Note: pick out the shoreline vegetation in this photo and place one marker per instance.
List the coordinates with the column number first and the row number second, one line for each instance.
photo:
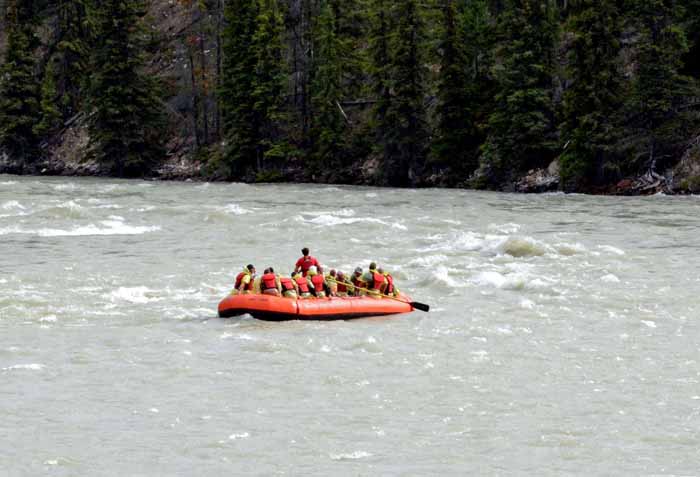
column 588, row 96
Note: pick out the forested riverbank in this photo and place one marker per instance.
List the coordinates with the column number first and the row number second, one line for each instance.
column 528, row 95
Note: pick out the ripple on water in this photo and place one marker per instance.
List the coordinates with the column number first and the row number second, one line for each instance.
column 351, row 455
column 28, row 367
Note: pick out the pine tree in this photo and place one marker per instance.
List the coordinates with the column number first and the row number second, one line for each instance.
column 380, row 68
column 238, row 69
column 72, row 55
column 328, row 124
column 50, row 102
column 268, row 84
column 592, row 102
column 19, row 87
column 399, row 84
column 351, row 23
column 521, row 127
column 126, row 127
column 460, row 89
column 659, row 88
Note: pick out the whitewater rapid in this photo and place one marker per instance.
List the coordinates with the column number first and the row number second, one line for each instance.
column 562, row 337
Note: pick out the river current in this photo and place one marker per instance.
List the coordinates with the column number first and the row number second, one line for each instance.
column 563, row 336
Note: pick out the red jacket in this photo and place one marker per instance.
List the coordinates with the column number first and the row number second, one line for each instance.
column 307, row 262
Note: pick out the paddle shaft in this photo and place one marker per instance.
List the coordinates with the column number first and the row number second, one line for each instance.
column 414, row 304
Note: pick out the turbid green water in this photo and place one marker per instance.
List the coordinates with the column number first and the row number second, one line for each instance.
column 563, row 337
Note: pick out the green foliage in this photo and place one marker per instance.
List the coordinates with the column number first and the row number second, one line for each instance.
column 398, row 43
column 127, row 119
column 591, row 120
column 462, row 87
column 19, row 88
column 659, row 88
column 328, row 124
column 72, row 55
column 253, row 84
column 50, row 102
column 238, row 79
column 522, row 133
column 269, row 81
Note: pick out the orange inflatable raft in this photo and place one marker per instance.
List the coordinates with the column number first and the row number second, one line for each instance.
column 272, row 308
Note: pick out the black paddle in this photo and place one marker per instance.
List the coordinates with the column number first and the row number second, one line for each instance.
column 415, row 304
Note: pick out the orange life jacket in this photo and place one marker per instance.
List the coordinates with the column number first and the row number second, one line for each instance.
column 269, row 281
column 239, row 279
column 287, row 284
column 389, row 284
column 303, row 284
column 317, row 282
column 378, row 281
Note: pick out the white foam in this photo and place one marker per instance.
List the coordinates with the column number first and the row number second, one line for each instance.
column 61, row 187
column 333, row 220
column 109, row 227
column 133, row 295
column 7, row 183
column 236, row 209
column 428, row 260
column 32, row 367
column 48, row 318
column 339, row 213
column 490, row 278
column 610, row 278
column 442, row 274
column 649, row 324
column 508, row 228
column 351, row 456
column 611, row 249
column 242, row 435
column 70, row 205
column 12, row 204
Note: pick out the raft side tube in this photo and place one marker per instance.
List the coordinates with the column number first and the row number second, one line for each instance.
column 271, row 308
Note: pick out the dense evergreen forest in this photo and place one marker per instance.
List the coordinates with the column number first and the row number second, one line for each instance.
column 579, row 95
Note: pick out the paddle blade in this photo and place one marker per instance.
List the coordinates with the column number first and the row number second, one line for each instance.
column 420, row 306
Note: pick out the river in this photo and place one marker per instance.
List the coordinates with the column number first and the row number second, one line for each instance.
column 562, row 338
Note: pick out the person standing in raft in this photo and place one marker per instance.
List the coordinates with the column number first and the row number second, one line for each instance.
column 317, row 283
column 306, row 262
column 244, row 281
column 290, row 289
column 270, row 283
